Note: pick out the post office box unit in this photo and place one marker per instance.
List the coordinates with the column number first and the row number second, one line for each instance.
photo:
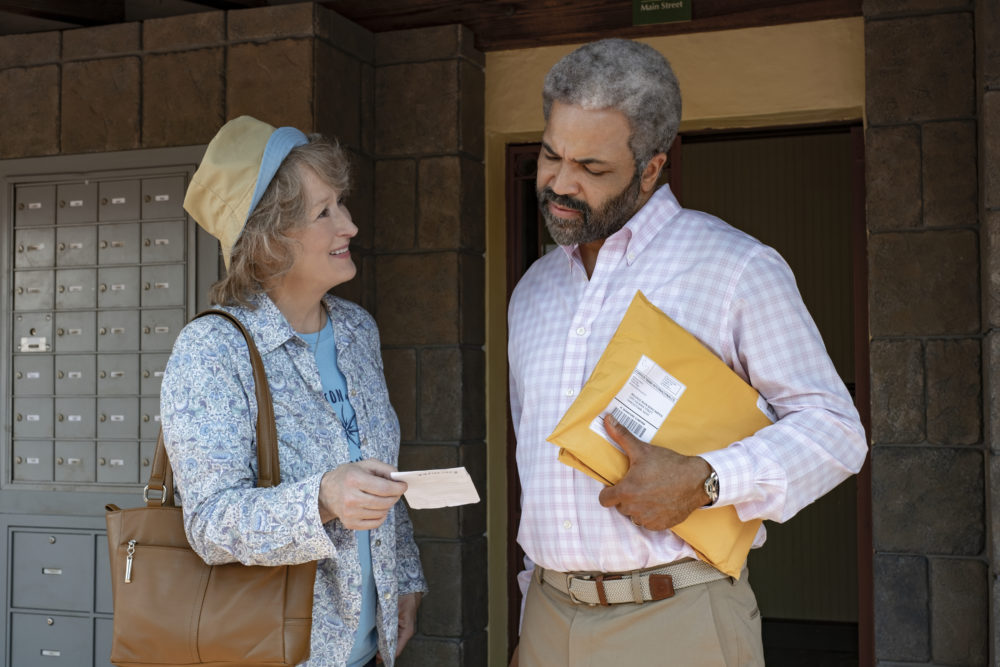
column 163, row 241
column 34, row 248
column 117, row 374
column 34, row 205
column 118, row 330
column 118, row 418
column 118, row 462
column 118, row 244
column 152, row 366
column 118, row 287
column 147, row 449
column 76, row 288
column 75, row 418
column 103, row 602
column 33, row 375
column 75, row 331
column 163, row 285
column 39, row 640
column 118, row 200
column 162, row 197
column 75, row 374
column 32, row 461
column 52, row 571
column 149, row 417
column 33, row 417
column 34, row 290
column 103, row 632
column 32, row 332
column 76, row 202
column 76, row 246
column 160, row 328
column 75, row 462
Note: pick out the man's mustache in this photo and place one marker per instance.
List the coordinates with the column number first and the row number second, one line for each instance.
column 547, row 195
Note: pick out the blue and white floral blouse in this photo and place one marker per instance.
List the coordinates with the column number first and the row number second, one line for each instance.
column 209, row 412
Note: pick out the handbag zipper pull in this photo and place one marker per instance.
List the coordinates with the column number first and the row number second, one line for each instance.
column 128, row 561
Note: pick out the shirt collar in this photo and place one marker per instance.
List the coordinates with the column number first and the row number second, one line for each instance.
column 271, row 330
column 643, row 226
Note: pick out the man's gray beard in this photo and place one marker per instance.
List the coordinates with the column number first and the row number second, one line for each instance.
column 592, row 225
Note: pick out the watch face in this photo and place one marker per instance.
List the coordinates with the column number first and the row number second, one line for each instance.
column 712, row 487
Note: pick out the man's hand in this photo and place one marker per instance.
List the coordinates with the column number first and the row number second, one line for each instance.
column 661, row 487
column 359, row 494
column 407, row 618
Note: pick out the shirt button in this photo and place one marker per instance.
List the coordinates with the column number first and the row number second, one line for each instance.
column 378, row 543
column 631, row 256
column 386, row 595
column 570, row 392
column 581, row 331
column 567, row 524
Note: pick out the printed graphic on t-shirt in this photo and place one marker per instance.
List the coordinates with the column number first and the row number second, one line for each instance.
column 338, row 399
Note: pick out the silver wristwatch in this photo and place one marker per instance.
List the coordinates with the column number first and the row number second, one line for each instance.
column 712, row 488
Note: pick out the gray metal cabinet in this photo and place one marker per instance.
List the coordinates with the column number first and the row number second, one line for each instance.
column 103, row 269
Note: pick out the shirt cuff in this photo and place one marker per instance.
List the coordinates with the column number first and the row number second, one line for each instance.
column 735, row 471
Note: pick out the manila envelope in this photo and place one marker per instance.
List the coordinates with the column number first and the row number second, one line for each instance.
column 668, row 389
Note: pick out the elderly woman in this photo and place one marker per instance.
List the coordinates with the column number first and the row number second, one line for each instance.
column 275, row 200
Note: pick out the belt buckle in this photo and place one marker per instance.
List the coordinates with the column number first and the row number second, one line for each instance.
column 569, row 588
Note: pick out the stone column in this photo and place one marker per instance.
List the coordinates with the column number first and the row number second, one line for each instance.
column 429, row 304
column 930, row 440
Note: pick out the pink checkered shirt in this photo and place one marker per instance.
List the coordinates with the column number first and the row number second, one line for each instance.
column 739, row 298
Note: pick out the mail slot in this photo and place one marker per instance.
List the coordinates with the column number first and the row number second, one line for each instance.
column 76, row 202
column 74, row 331
column 76, row 246
column 118, row 462
column 32, row 461
column 117, row 417
column 50, row 640
column 34, row 248
column 118, row 244
column 75, row 461
column 118, row 200
column 74, row 417
column 33, row 374
column 34, row 205
column 75, row 288
column 33, row 332
column 118, row 287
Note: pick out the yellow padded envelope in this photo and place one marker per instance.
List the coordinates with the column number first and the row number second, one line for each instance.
column 668, row 389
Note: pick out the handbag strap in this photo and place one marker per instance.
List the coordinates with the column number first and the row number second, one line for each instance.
column 268, row 468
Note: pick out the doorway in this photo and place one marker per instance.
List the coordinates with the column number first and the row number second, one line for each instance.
column 797, row 190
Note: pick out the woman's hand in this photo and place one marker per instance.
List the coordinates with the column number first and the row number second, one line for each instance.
column 359, row 494
column 407, row 618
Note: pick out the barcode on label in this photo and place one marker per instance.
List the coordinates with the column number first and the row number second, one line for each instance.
column 634, row 426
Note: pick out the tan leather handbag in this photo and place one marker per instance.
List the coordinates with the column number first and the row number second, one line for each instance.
column 171, row 608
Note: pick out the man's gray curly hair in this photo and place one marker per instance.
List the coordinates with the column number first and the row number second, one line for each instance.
column 628, row 76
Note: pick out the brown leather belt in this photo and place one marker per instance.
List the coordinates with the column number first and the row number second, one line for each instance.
column 657, row 583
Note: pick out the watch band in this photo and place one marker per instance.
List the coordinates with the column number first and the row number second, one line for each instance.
column 712, row 488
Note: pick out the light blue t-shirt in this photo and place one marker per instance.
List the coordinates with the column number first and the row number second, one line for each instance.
column 324, row 346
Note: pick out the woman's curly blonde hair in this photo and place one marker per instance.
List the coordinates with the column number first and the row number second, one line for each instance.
column 264, row 251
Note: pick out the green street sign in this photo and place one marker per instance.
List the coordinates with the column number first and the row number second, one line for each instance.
column 645, row 12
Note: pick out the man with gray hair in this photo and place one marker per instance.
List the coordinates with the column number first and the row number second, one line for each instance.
column 605, row 577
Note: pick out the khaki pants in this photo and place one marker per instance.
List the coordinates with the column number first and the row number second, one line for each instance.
column 713, row 624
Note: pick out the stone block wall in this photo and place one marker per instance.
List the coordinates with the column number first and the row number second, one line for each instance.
column 933, row 188
column 429, row 287
column 408, row 108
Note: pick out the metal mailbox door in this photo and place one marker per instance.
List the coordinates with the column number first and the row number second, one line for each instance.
column 34, row 248
column 76, row 288
column 75, row 332
column 52, row 571
column 118, row 244
column 117, row 418
column 118, row 462
column 33, row 417
column 152, row 372
column 32, row 460
column 117, row 330
column 119, row 200
column 76, row 246
column 163, row 241
column 104, row 603
column 162, row 197
column 149, row 419
column 75, row 374
column 76, row 202
column 118, row 287
column 33, row 332
column 33, row 290
column 74, row 418
column 49, row 640
column 75, row 462
column 117, row 374
column 33, row 375
column 34, row 205
column 160, row 328
column 163, row 285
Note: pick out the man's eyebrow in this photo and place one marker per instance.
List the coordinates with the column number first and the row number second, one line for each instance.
column 586, row 160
